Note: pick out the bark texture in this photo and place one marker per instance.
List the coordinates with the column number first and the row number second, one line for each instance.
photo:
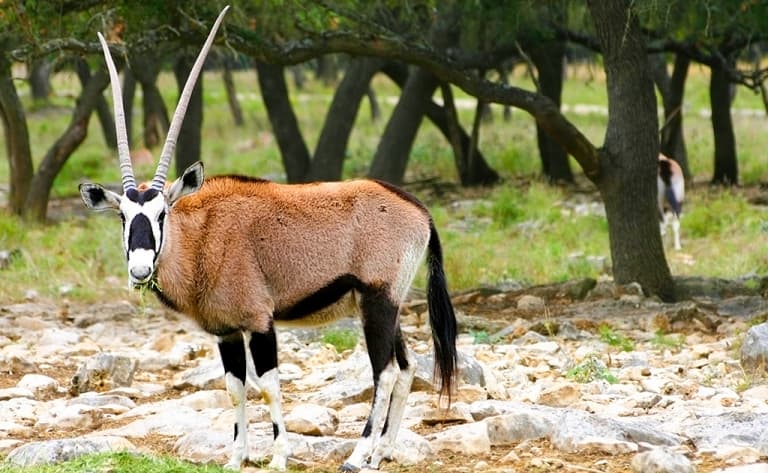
column 16, row 140
column 285, row 126
column 628, row 160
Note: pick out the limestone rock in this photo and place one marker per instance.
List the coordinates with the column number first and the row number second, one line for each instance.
column 660, row 460
column 55, row 451
column 38, row 384
column 103, row 372
column 754, row 349
column 209, row 374
column 312, row 419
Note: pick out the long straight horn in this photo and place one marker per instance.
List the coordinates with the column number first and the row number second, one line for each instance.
column 126, row 170
column 158, row 182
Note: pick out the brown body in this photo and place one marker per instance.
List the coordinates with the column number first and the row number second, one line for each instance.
column 239, row 255
column 264, row 247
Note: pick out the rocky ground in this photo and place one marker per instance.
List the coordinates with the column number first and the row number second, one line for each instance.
column 546, row 386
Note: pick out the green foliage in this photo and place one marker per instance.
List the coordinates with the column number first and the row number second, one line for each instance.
column 609, row 336
column 123, row 462
column 662, row 340
column 341, row 339
column 481, row 337
column 591, row 369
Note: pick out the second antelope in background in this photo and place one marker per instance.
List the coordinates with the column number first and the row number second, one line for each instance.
column 671, row 184
column 240, row 255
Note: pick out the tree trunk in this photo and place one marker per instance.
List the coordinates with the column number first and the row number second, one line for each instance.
column 36, row 206
column 548, row 57
column 285, row 126
column 726, row 165
column 439, row 116
column 374, row 103
column 16, row 140
column 40, row 80
column 146, row 70
column 188, row 146
column 102, row 107
column 331, row 147
column 327, row 69
column 395, row 145
column 234, row 103
column 671, row 90
column 129, row 92
column 628, row 160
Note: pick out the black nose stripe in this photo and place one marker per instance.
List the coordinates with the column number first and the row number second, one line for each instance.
column 140, row 234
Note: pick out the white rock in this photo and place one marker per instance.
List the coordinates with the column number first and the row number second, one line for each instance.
column 11, row 393
column 312, row 419
column 560, row 394
column 54, row 451
column 70, row 417
column 38, row 384
column 662, row 461
column 468, row 439
column 734, row 455
column 210, row 399
column 753, row 468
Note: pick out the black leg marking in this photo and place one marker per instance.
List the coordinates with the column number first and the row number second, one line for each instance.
column 235, row 436
column 263, row 348
column 275, row 430
column 232, row 351
column 379, row 327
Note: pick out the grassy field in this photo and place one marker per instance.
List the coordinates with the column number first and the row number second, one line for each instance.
column 485, row 232
column 521, row 231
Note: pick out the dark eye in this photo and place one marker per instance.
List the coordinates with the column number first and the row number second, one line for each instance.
column 161, row 219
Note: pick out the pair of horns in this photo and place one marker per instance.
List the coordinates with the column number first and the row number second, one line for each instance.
column 126, row 170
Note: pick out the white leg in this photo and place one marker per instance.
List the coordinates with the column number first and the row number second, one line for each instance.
column 376, row 419
column 237, row 392
column 233, row 358
column 396, row 409
column 269, row 385
column 676, row 232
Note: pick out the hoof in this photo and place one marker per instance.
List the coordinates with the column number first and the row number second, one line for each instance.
column 349, row 468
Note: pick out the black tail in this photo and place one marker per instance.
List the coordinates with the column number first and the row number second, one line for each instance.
column 441, row 317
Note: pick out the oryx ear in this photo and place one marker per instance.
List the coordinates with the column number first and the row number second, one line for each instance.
column 97, row 197
column 189, row 182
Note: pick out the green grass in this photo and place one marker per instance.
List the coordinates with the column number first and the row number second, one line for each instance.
column 591, row 369
column 662, row 341
column 341, row 339
column 522, row 230
column 122, row 462
column 614, row 339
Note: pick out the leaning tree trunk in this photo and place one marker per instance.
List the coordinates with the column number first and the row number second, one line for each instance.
column 440, row 117
column 129, row 92
column 285, row 126
column 629, row 157
column 234, row 103
column 188, row 146
column 374, row 103
column 36, row 206
column 40, row 80
column 328, row 160
column 672, row 90
column 146, row 69
column 102, row 107
column 393, row 151
column 548, row 57
column 16, row 140
column 726, row 164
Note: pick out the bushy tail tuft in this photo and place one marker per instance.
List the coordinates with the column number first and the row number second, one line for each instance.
column 441, row 317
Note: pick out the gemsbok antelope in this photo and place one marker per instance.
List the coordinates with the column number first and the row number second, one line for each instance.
column 240, row 255
column 671, row 192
